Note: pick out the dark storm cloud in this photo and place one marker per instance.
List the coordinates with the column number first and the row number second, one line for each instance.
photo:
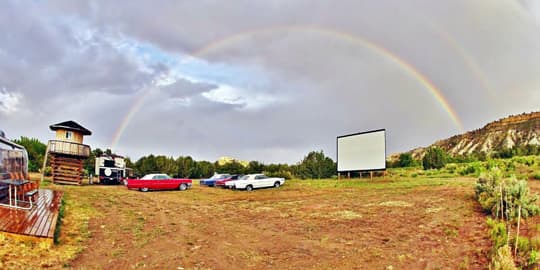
column 45, row 56
column 323, row 69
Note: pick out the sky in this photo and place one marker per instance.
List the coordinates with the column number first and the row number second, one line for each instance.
column 264, row 80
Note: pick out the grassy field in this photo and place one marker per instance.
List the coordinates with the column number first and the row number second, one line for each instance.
column 410, row 218
column 393, row 221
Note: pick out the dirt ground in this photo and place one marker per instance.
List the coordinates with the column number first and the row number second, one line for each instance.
column 298, row 226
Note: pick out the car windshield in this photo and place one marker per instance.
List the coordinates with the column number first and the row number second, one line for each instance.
column 155, row 176
column 245, row 177
column 219, row 176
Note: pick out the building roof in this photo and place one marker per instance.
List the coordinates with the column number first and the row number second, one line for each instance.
column 71, row 125
column 5, row 141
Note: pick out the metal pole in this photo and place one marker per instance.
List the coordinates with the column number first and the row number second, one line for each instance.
column 44, row 163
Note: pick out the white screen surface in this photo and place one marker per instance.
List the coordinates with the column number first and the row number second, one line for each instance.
column 362, row 152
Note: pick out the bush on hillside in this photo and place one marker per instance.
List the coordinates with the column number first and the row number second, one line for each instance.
column 406, row 160
column 435, row 158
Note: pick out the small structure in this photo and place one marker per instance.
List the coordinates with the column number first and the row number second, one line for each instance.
column 111, row 169
column 26, row 212
column 68, row 152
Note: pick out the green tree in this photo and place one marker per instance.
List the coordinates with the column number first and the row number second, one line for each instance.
column 406, row 160
column 316, row 165
column 435, row 158
column 205, row 169
column 146, row 165
column 166, row 165
column 255, row 167
column 129, row 163
column 233, row 167
column 278, row 170
column 36, row 152
column 90, row 163
column 186, row 166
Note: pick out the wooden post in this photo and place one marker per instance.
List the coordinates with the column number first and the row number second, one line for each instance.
column 371, row 175
column 349, row 175
column 44, row 164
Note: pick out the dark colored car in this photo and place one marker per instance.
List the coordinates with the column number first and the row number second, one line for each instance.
column 212, row 180
column 221, row 183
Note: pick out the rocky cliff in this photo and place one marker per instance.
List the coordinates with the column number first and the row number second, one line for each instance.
column 515, row 130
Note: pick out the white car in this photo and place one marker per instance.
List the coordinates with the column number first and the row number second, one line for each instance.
column 251, row 181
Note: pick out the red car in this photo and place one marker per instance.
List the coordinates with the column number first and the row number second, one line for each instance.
column 221, row 183
column 157, row 182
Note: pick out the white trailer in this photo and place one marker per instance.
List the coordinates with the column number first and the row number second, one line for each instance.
column 111, row 169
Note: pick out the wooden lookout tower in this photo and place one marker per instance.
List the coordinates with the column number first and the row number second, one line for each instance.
column 67, row 152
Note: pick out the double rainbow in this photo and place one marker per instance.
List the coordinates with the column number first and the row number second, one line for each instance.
column 330, row 33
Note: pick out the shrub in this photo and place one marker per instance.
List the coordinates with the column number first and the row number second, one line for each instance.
column 488, row 191
column 523, row 244
column 533, row 257
column 48, row 171
column 406, row 160
column 283, row 174
column 451, row 168
column 497, row 233
column 470, row 169
column 510, row 197
column 535, row 242
column 316, row 166
column 435, row 158
column 503, row 259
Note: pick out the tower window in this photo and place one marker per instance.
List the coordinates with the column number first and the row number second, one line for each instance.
column 69, row 134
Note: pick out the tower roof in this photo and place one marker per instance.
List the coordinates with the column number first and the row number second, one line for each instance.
column 71, row 125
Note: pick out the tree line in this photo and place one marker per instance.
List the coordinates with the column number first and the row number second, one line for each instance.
column 315, row 165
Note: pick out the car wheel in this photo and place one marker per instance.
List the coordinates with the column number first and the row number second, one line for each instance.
column 277, row 184
column 182, row 187
column 144, row 189
column 249, row 187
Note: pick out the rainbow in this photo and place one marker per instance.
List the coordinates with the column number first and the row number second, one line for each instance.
column 467, row 59
column 132, row 111
column 357, row 40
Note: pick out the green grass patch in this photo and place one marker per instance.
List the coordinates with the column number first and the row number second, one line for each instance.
column 61, row 213
column 379, row 183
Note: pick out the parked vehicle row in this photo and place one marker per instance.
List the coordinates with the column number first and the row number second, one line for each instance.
column 164, row 182
column 221, row 183
column 212, row 181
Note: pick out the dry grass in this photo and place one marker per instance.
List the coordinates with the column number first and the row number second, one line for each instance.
column 343, row 224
